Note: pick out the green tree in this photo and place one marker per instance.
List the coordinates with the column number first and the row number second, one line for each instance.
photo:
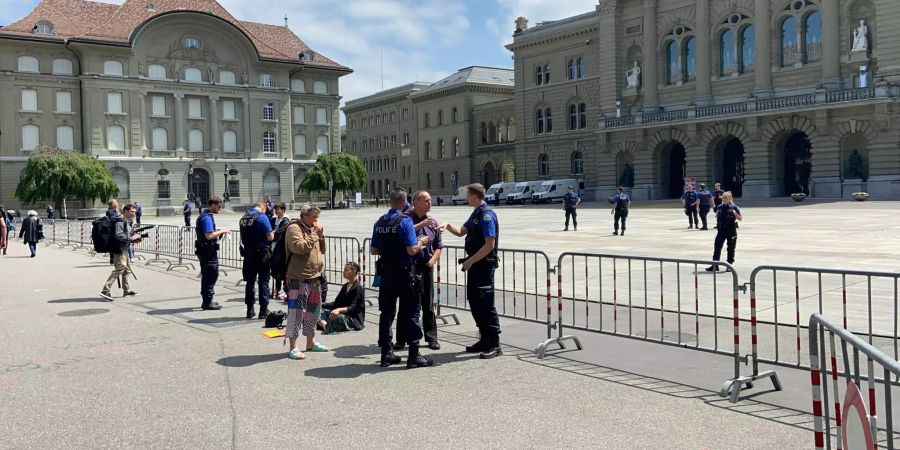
column 345, row 171
column 57, row 174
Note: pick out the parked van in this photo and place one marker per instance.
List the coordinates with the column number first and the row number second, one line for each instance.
column 522, row 192
column 553, row 190
column 460, row 197
column 498, row 191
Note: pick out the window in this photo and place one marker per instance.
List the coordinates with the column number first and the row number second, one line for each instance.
column 115, row 138
column 544, row 165
column 266, row 80
column 573, row 117
column 299, row 114
column 156, row 72
column 229, row 142
column 405, row 113
column 427, row 120
column 65, row 137
column 673, row 73
column 572, row 72
column 384, row 118
column 582, row 116
column 456, row 147
column 812, row 34
column 580, row 63
column 428, row 180
column 442, row 180
column 30, row 137
column 120, row 176
column 234, row 188
column 272, row 183
column 544, row 121
column 195, row 140
column 159, row 139
column 63, row 101
column 158, row 106
column 405, row 138
column 194, row 108
column 539, row 75
column 28, row 64
column 300, row 144
column 321, row 116
column 440, row 120
column 442, row 152
column 268, row 111
column 577, row 163
column 228, row 110
column 748, row 48
column 454, row 117
column 268, row 142
column 393, row 116
column 162, row 189
column 191, row 42
column 538, row 125
column 690, row 59
column 790, row 45
column 114, row 102
column 62, row 67
column 193, row 74
column 428, row 150
column 227, row 77
column 43, row 27
column 29, row 100
column 298, row 85
column 319, row 87
column 114, row 68
column 322, row 144
column 546, row 73
column 727, row 59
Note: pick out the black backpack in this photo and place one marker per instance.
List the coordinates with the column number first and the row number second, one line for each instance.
column 278, row 264
column 103, row 231
column 275, row 319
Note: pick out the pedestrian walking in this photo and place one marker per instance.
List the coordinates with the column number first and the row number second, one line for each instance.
column 4, row 231
column 621, row 203
column 32, row 231
column 728, row 216
column 207, row 251
column 690, row 201
column 482, row 232
column 122, row 237
column 187, row 213
column 138, row 212
column 706, row 203
column 571, row 200
column 394, row 241
column 50, row 211
column 256, row 238
column 305, row 245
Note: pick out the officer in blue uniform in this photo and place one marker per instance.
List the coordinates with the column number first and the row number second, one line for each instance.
column 621, row 203
column 482, row 233
column 207, row 251
column 187, row 213
column 571, row 200
column 270, row 207
column 728, row 215
column 717, row 200
column 705, row 204
column 394, row 241
column 690, row 201
column 256, row 236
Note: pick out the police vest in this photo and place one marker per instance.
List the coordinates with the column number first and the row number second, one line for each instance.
column 475, row 235
column 727, row 221
column 704, row 198
column 621, row 201
column 201, row 237
column 717, row 197
column 247, row 226
column 390, row 248
column 690, row 198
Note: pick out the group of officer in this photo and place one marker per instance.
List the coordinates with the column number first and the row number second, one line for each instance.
column 407, row 242
column 697, row 204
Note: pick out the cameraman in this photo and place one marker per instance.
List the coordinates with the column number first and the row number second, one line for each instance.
column 256, row 236
column 122, row 239
column 207, row 251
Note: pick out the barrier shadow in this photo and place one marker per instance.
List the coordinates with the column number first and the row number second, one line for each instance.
column 171, row 311
column 77, row 300
column 250, row 360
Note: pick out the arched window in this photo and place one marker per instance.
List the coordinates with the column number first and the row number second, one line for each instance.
column 492, row 133
column 748, row 48
column 268, row 142
column 790, row 48
column 548, row 121
column 573, row 116
column 573, row 69
column 510, row 130
column 539, row 75
column 440, row 117
column 427, row 120
column 114, row 68
column 115, row 138
column 227, row 77
column 268, row 111
column 298, row 85
column 122, row 179
column 31, row 136
column 577, row 163
column 156, row 71
column 727, row 49
column 300, row 145
column 580, row 63
column 427, row 150
column 229, row 141
column 690, row 59
column 43, row 27
column 272, row 183
column 193, row 74
column 195, row 140
column 454, row 117
column 442, row 150
column 544, row 165
column 266, row 80
column 62, row 66
column 319, row 87
column 65, row 137
column 456, row 147
column 27, row 64
column 546, row 73
column 539, row 122
column 582, row 116
column 673, row 73
column 484, row 133
column 323, row 145
column 159, row 139
column 812, row 35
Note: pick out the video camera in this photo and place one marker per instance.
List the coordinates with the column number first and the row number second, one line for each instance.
column 140, row 230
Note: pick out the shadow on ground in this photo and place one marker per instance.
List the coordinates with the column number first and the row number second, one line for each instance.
column 249, row 360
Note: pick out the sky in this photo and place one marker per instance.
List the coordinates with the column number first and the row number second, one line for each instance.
column 418, row 40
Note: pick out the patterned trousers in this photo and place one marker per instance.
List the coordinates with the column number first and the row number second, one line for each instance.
column 304, row 307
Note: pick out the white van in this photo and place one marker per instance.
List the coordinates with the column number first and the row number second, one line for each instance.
column 522, row 192
column 553, row 190
column 498, row 191
column 460, row 197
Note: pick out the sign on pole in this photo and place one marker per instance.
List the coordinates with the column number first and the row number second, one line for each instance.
column 359, row 198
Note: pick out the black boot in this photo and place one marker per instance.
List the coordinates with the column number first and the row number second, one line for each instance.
column 415, row 359
column 477, row 347
column 211, row 306
column 493, row 349
column 263, row 311
column 388, row 358
column 250, row 311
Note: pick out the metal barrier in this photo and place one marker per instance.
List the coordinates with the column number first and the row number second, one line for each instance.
column 339, row 251
column 855, row 426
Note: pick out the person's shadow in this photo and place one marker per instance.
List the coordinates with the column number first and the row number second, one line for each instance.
column 249, row 360
column 371, row 366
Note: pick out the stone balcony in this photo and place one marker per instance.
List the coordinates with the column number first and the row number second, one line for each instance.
column 750, row 107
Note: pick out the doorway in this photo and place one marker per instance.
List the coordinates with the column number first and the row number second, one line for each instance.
column 732, row 166
column 797, row 164
column 673, row 165
column 199, row 186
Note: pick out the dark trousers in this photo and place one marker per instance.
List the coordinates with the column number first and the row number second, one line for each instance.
column 693, row 217
column 480, row 293
column 619, row 215
column 398, row 285
column 574, row 214
column 703, row 212
column 137, row 219
column 187, row 220
column 722, row 238
column 426, row 302
column 209, row 274
column 256, row 271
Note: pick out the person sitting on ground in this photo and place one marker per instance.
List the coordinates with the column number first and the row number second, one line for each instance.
column 348, row 311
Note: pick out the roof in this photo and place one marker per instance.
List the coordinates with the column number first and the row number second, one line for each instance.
column 84, row 20
column 555, row 27
column 403, row 90
column 491, row 76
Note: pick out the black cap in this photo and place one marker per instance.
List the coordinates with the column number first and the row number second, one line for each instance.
column 570, row 187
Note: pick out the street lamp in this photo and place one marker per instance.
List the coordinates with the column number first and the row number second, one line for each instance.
column 225, row 195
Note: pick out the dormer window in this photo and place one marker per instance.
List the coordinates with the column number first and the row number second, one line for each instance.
column 43, row 27
column 191, row 42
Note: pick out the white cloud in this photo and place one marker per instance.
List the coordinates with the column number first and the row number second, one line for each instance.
column 537, row 11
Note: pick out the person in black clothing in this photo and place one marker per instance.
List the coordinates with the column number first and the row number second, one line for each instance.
column 187, row 213
column 717, row 200
column 705, row 204
column 207, row 250
column 621, row 203
column 348, row 311
column 691, row 201
column 728, row 215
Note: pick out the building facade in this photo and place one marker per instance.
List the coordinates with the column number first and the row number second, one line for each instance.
column 177, row 97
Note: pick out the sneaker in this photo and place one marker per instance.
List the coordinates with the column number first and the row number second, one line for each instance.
column 130, row 294
column 434, row 345
column 491, row 353
column 106, row 296
column 419, row 361
column 296, row 354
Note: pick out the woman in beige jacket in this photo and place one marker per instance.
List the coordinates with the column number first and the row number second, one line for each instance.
column 305, row 242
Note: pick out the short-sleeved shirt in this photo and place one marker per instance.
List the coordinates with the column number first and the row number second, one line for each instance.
column 488, row 222
column 571, row 199
column 405, row 237
column 704, row 198
column 621, row 201
column 206, row 223
column 689, row 198
column 431, row 231
column 187, row 209
column 717, row 197
column 254, row 234
column 138, row 209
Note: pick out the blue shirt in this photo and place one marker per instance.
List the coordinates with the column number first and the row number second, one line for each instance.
column 206, row 224
column 689, row 198
column 433, row 234
column 187, row 209
column 704, row 198
column 405, row 236
column 138, row 210
column 254, row 229
column 621, row 201
column 481, row 225
column 570, row 199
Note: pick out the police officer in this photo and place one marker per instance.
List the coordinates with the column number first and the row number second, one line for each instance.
column 270, row 207
column 138, row 212
column 717, row 200
column 207, row 251
column 728, row 215
column 187, row 213
column 482, row 233
column 621, row 203
column 256, row 235
column 690, row 201
column 394, row 240
column 571, row 200
column 705, row 203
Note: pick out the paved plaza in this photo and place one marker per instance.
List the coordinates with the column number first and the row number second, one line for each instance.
column 156, row 372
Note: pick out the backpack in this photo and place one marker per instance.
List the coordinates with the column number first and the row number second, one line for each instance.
column 275, row 319
column 103, row 231
column 280, row 259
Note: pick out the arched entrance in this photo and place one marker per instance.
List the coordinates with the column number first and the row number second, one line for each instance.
column 672, row 162
column 797, row 164
column 507, row 171
column 198, row 187
column 490, row 174
column 730, row 170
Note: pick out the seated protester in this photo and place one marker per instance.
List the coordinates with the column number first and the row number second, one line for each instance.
column 348, row 311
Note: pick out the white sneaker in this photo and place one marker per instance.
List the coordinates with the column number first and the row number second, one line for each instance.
column 106, row 296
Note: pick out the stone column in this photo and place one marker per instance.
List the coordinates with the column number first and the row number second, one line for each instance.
column 763, row 64
column 831, row 67
column 179, row 122
column 143, row 111
column 650, row 72
column 247, row 128
column 214, row 124
column 704, row 93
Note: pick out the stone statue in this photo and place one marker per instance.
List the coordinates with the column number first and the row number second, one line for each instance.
column 627, row 176
column 140, row 68
column 210, row 75
column 521, row 24
column 861, row 37
column 855, row 165
column 177, row 72
column 633, row 76
column 244, row 77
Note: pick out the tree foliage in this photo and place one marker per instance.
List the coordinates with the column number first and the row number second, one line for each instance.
column 345, row 170
column 57, row 174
